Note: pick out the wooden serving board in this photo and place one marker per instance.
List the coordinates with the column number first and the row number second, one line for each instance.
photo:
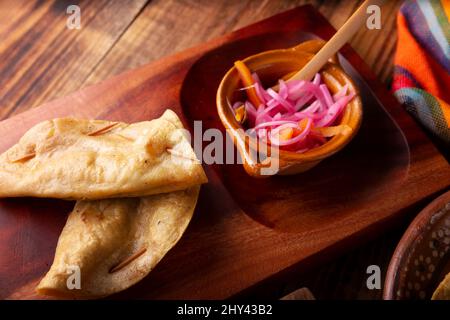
column 246, row 234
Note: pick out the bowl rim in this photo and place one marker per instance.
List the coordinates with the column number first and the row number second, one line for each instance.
column 414, row 230
column 351, row 117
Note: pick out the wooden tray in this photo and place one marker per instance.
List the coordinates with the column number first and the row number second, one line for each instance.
column 246, row 234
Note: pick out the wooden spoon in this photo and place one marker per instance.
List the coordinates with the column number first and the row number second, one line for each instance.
column 353, row 24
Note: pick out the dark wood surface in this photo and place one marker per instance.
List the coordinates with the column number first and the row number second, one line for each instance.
column 40, row 59
column 240, row 255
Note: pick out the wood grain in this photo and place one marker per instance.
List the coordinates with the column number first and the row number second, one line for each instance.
column 41, row 59
column 226, row 245
column 147, row 39
column 158, row 29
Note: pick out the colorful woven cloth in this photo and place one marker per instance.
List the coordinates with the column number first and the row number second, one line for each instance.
column 421, row 79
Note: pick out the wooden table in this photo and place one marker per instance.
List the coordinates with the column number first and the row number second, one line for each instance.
column 41, row 59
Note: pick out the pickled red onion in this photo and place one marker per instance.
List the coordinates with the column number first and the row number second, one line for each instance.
column 296, row 101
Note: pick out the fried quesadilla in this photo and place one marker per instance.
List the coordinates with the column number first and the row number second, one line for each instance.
column 136, row 185
column 115, row 243
column 95, row 159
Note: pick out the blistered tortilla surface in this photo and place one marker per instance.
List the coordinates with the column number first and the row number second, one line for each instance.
column 100, row 235
column 96, row 159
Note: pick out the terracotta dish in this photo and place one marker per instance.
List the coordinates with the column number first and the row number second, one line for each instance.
column 421, row 259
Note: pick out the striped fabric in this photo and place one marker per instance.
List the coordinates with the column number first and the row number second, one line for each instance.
column 421, row 79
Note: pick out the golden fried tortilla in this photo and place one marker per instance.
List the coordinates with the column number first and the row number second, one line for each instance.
column 115, row 243
column 96, row 159
column 443, row 291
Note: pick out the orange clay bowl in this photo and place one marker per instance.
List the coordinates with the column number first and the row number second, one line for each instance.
column 271, row 66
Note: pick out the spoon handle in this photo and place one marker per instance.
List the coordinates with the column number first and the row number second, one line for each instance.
column 341, row 37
